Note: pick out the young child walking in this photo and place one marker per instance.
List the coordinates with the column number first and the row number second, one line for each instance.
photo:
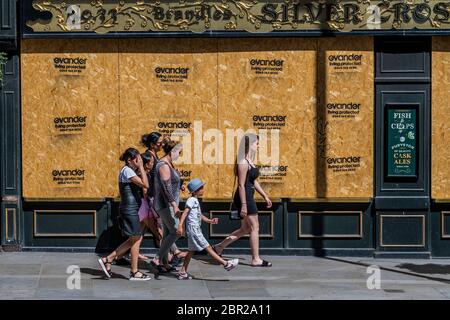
column 193, row 216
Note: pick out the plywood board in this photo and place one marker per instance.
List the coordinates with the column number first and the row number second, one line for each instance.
column 270, row 84
column 70, row 105
column 170, row 86
column 345, row 118
column 440, row 182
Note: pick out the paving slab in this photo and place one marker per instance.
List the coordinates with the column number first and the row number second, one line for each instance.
column 45, row 275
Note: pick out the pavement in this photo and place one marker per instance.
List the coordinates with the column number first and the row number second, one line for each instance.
column 45, row 275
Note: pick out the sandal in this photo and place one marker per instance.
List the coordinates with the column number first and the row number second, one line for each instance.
column 103, row 265
column 263, row 264
column 141, row 277
column 184, row 276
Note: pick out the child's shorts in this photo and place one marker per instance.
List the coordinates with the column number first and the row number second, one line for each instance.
column 196, row 240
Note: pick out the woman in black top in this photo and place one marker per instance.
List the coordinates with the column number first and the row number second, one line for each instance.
column 247, row 174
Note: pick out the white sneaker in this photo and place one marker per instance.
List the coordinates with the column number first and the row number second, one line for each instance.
column 231, row 264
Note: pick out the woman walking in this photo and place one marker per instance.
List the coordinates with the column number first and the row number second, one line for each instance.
column 154, row 143
column 167, row 198
column 130, row 188
column 247, row 174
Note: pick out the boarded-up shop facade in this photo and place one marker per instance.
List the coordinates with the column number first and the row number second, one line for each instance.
column 352, row 117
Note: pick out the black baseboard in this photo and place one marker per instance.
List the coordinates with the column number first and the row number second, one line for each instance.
column 402, row 255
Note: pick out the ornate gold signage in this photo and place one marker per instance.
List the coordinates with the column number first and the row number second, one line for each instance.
column 103, row 16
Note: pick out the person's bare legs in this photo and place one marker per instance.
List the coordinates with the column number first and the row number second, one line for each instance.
column 215, row 256
column 120, row 251
column 187, row 259
column 242, row 231
column 254, row 239
column 153, row 227
column 136, row 242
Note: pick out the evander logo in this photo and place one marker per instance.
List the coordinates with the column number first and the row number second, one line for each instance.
column 178, row 70
column 273, row 174
column 174, row 125
column 70, row 60
column 350, row 159
column 76, row 119
column 174, row 129
column 70, row 124
column 343, row 110
column 65, row 173
column 185, row 173
column 172, row 74
column 269, row 118
column 345, row 57
column 271, row 63
column 68, row 177
column 70, row 66
column 345, row 62
column 343, row 164
column 346, row 106
column 269, row 122
column 266, row 67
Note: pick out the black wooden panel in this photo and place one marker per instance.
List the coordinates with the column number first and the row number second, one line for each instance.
column 10, row 129
column 333, row 225
column 445, row 225
column 403, row 193
column 407, row 231
column 440, row 230
column 403, row 59
column 330, row 224
column 67, row 223
column 8, row 18
column 227, row 226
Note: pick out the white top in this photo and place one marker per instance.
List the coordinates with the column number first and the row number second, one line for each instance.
column 126, row 174
column 194, row 217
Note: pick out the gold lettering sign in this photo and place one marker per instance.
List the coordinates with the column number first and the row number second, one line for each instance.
column 103, row 16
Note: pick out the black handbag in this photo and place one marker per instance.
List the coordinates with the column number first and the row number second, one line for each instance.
column 234, row 212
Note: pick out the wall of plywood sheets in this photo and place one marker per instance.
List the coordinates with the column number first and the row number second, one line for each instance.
column 440, row 183
column 170, row 86
column 70, row 123
column 345, row 118
column 269, row 85
column 86, row 101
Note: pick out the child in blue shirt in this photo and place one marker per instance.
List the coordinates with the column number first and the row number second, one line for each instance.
column 193, row 216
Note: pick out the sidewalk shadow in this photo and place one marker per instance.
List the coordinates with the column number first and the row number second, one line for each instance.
column 100, row 274
column 206, row 259
column 429, row 268
column 441, row 280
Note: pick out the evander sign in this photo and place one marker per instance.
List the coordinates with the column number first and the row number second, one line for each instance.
column 231, row 15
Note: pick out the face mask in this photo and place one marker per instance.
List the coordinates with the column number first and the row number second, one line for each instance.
column 175, row 156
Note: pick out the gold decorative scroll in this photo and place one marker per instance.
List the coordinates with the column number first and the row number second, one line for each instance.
column 230, row 15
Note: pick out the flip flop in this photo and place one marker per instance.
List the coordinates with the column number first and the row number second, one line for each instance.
column 263, row 264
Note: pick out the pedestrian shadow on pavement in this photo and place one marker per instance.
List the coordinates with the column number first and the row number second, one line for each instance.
column 429, row 268
column 414, row 274
column 209, row 260
column 100, row 274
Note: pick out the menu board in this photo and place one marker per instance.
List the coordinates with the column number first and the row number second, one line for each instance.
column 401, row 138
